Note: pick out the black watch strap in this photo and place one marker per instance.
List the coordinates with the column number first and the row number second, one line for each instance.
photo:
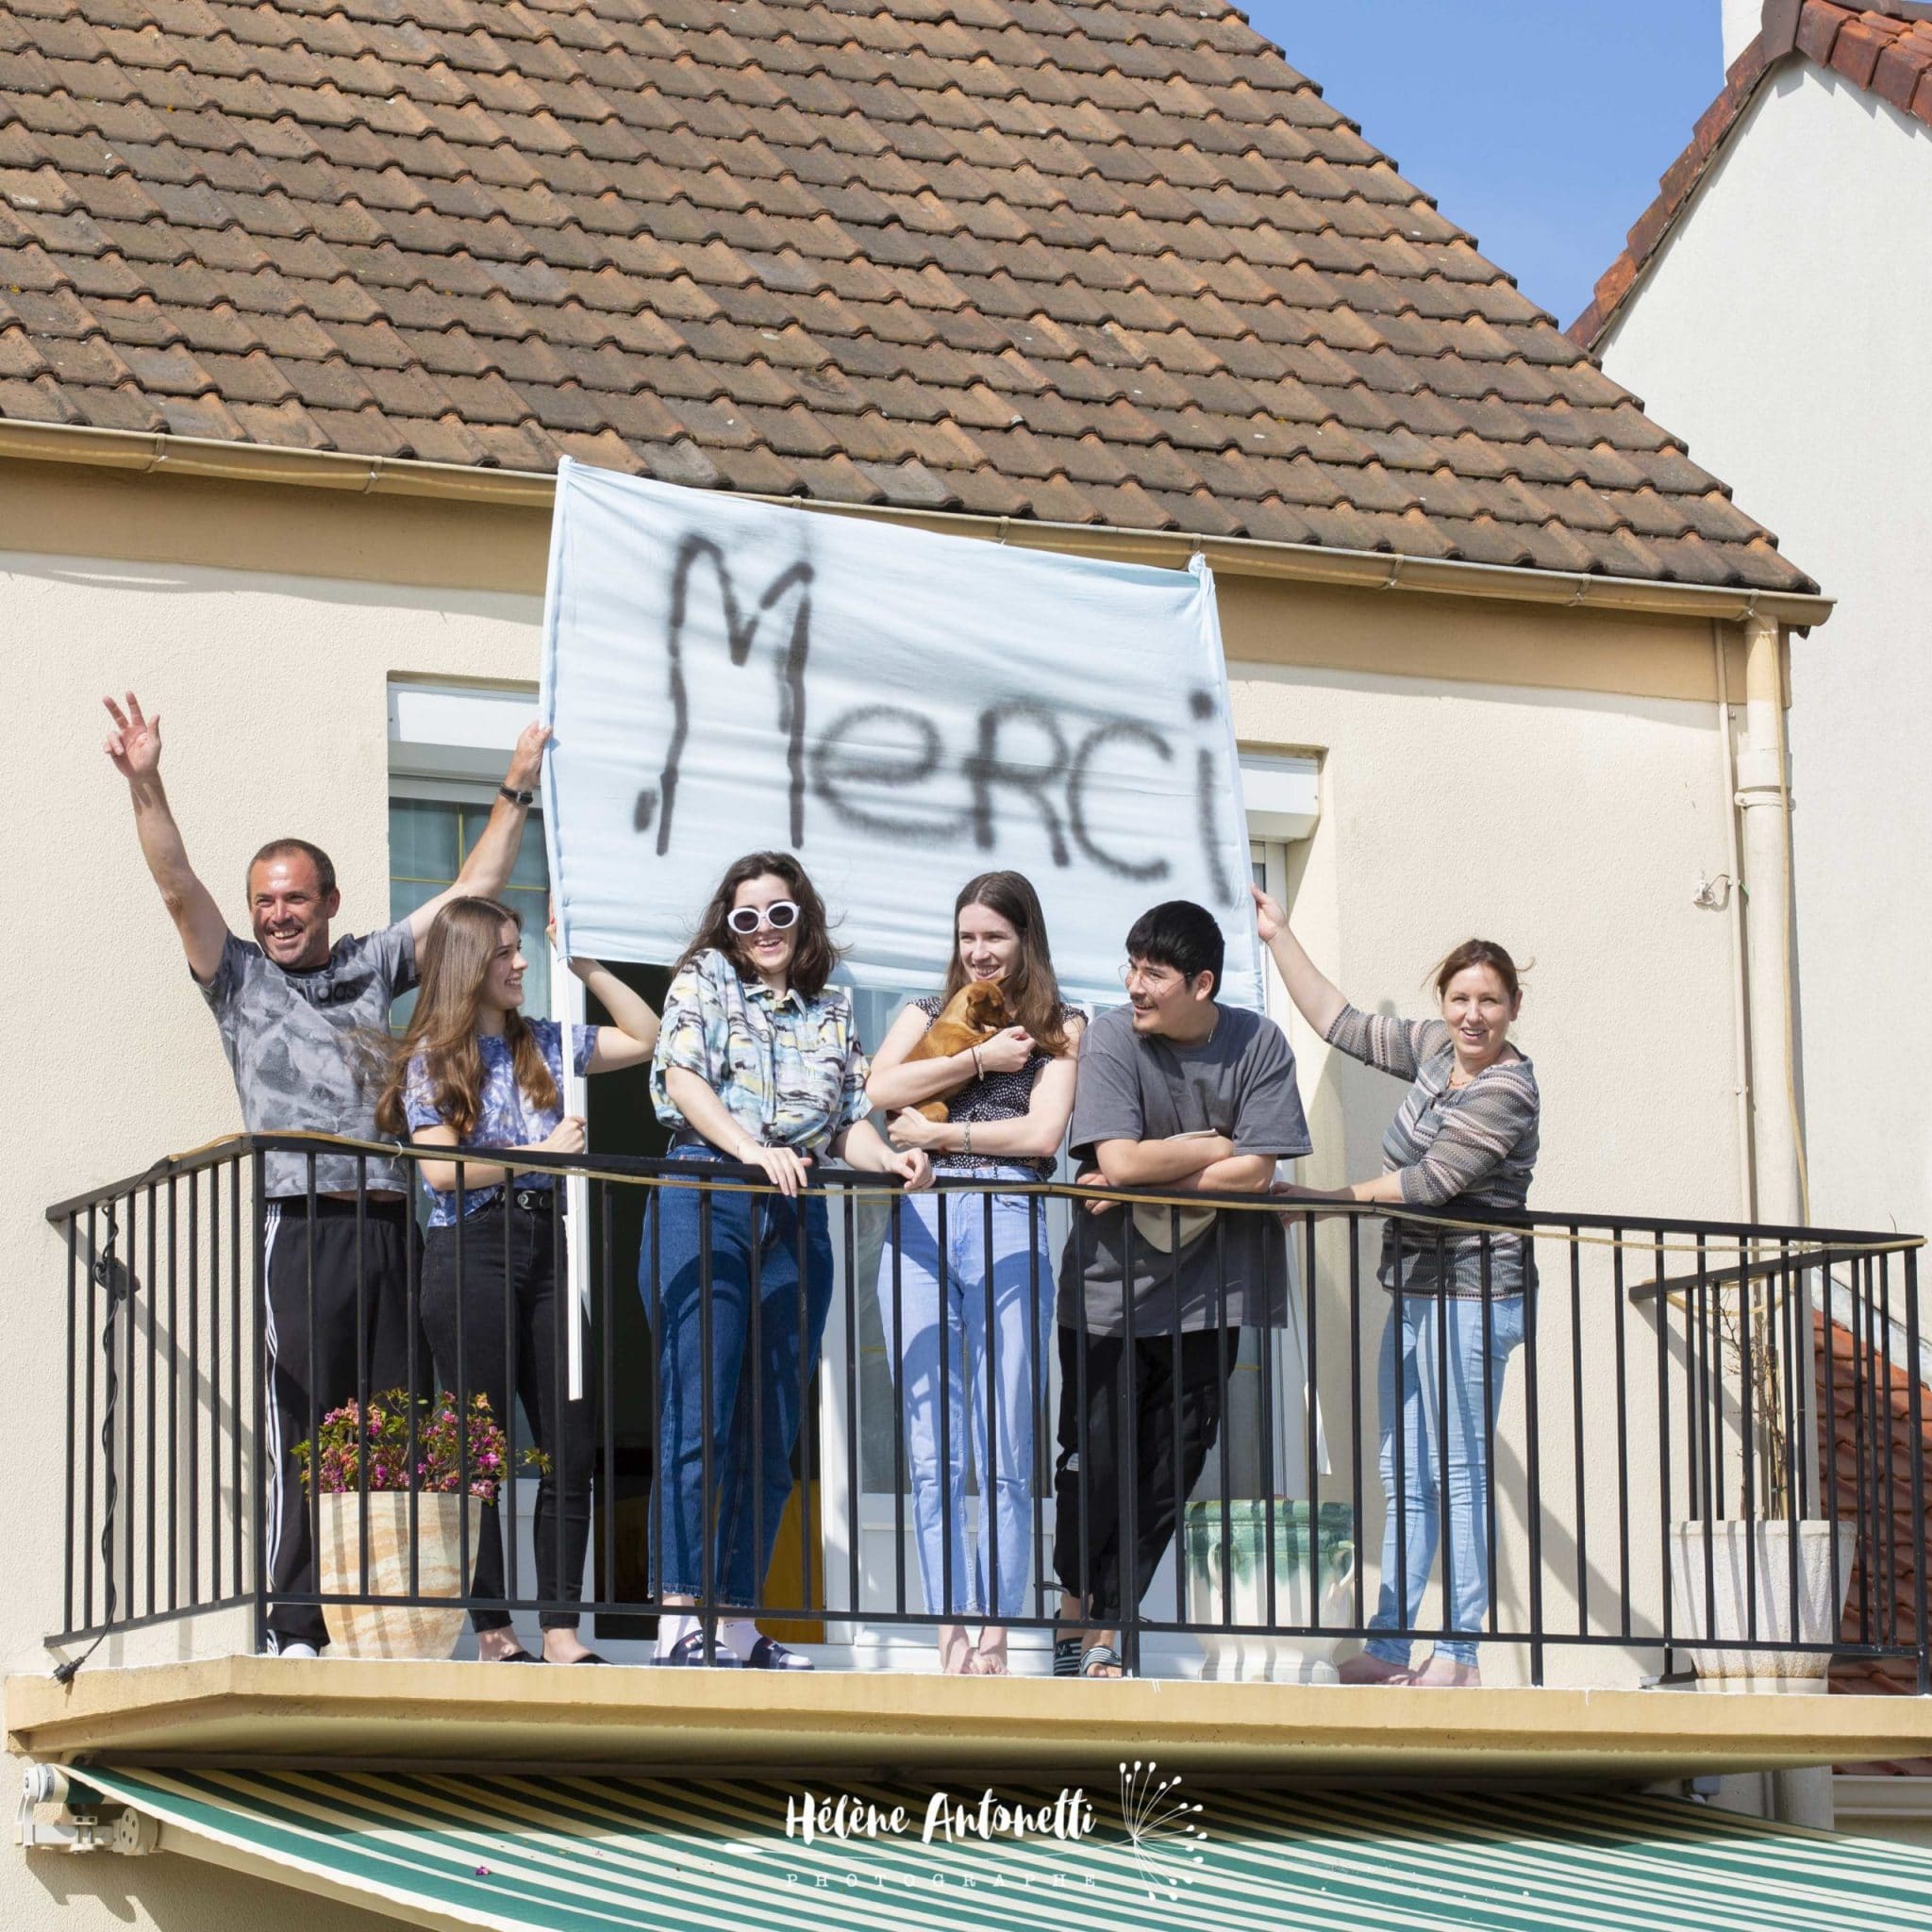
column 516, row 797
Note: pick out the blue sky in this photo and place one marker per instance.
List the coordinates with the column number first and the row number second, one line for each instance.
column 1540, row 126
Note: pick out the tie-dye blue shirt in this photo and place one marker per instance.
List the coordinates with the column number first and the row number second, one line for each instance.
column 505, row 1115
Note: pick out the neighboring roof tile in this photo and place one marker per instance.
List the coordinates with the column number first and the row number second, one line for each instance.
column 1866, row 1458
column 1885, row 54
column 1114, row 264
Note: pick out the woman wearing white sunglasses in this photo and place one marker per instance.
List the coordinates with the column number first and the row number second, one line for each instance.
column 758, row 1061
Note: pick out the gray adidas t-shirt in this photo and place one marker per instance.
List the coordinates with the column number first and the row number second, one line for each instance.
column 291, row 1038
column 1240, row 1083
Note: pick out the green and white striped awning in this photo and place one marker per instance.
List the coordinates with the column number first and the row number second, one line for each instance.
column 595, row 1854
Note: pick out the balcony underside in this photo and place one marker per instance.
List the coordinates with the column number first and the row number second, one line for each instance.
column 265, row 1710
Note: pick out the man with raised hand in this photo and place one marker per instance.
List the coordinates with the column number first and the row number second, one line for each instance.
column 290, row 1005
column 1182, row 1094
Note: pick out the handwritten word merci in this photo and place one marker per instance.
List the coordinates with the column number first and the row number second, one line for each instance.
column 946, row 1821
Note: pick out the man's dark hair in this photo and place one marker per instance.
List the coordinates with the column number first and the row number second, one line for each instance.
column 1179, row 934
column 292, row 848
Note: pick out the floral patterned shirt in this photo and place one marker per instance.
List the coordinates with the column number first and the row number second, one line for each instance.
column 791, row 1072
column 505, row 1115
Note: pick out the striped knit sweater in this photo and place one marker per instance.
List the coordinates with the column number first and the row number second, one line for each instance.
column 1457, row 1149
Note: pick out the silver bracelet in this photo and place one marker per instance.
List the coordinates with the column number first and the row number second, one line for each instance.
column 966, row 1138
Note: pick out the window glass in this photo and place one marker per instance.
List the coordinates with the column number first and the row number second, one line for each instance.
column 428, row 840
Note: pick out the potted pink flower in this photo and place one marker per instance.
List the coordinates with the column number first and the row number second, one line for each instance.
column 404, row 1455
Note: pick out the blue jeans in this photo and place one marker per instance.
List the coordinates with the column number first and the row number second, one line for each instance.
column 1415, row 1325
column 749, row 1417
column 1009, row 1377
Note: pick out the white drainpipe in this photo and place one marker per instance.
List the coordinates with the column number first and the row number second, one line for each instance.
column 1764, row 801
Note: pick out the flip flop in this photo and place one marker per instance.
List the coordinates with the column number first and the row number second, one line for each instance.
column 518, row 1656
column 1103, row 1663
column 1066, row 1657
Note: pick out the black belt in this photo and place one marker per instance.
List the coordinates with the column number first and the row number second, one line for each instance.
column 332, row 1207
column 535, row 1200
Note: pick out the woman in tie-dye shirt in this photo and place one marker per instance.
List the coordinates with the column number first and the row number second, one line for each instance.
column 759, row 1062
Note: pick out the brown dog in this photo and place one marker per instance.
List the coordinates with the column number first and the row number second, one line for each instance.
column 970, row 1018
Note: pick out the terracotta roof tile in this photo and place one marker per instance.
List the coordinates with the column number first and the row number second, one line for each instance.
column 1112, row 263
column 1890, row 57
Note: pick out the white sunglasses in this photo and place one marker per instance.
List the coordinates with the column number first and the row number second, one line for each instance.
column 781, row 915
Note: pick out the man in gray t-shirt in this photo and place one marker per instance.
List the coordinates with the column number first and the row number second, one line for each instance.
column 1179, row 1094
column 1222, row 1111
column 290, row 1005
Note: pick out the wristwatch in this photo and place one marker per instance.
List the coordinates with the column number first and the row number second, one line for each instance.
column 516, row 797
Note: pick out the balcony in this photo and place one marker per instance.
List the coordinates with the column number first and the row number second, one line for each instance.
column 1655, row 1449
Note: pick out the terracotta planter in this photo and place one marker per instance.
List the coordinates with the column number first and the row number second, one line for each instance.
column 1725, row 1586
column 1260, row 1652
column 394, row 1630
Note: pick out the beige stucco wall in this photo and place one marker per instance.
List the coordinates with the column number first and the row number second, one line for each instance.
column 1781, row 330
column 1550, row 779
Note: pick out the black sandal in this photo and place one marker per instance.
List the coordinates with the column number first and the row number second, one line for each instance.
column 518, row 1656
column 689, row 1650
column 1066, row 1657
column 768, row 1654
column 1104, row 1663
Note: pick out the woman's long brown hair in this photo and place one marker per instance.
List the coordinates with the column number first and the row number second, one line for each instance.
column 1032, row 991
column 814, row 956
column 442, row 1028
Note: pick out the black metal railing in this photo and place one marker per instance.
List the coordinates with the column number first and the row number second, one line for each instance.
column 1699, row 1418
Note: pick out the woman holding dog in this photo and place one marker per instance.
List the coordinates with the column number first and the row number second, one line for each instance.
column 966, row 1293
column 759, row 1062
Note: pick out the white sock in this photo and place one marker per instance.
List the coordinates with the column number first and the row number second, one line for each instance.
column 740, row 1635
column 674, row 1626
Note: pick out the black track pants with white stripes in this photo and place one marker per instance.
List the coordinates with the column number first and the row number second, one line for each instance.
column 357, row 1318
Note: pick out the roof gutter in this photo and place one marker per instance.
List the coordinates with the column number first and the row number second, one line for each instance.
column 209, row 459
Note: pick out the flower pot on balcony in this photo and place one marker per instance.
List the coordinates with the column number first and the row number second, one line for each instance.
column 1714, row 1600
column 394, row 1630
column 1309, row 1589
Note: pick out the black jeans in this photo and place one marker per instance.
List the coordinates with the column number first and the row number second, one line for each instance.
column 1174, row 1428
column 512, row 1313
column 347, row 1338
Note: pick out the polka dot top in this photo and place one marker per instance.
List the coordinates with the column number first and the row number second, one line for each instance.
column 998, row 1098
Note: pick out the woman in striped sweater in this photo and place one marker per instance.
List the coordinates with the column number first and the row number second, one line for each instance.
column 1463, row 1145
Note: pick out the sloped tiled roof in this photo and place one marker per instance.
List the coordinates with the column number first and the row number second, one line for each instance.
column 1883, row 53
column 1109, row 263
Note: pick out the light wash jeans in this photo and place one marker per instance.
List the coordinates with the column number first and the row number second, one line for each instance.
column 1014, row 1371
column 1414, row 1331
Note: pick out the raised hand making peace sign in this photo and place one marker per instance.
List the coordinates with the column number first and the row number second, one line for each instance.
column 135, row 743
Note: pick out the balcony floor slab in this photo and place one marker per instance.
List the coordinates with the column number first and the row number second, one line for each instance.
column 267, row 1710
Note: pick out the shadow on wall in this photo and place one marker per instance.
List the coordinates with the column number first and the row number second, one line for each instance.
column 197, row 580
column 173, row 1893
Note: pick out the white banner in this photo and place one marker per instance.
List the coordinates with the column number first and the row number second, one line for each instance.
column 902, row 711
